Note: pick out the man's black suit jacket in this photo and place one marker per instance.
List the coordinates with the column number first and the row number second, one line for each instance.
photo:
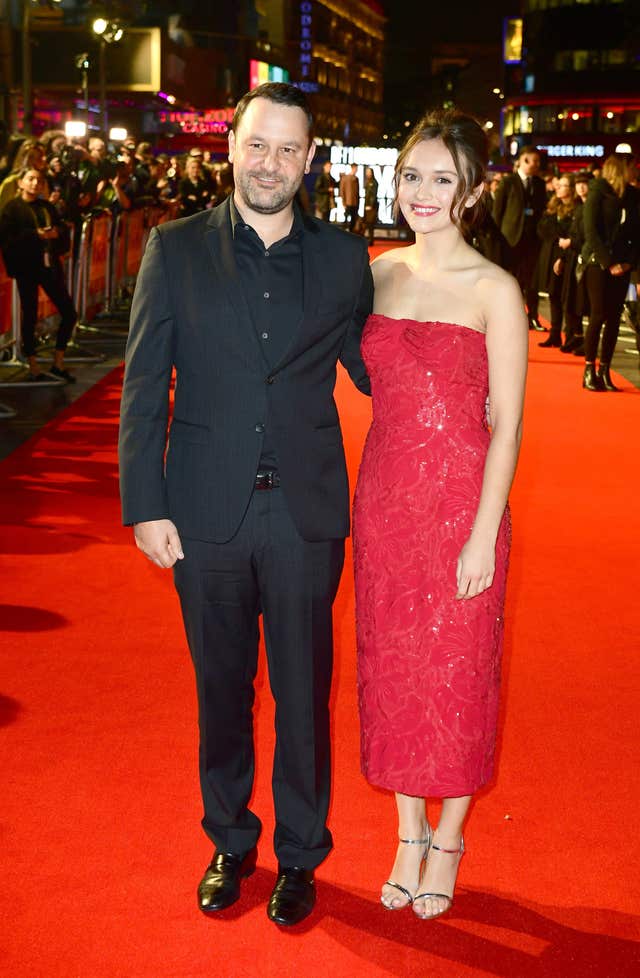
column 510, row 202
column 189, row 312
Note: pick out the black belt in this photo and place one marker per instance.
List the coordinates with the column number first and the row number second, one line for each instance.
column 267, row 479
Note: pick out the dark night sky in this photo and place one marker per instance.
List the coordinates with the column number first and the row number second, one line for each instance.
column 414, row 26
column 446, row 20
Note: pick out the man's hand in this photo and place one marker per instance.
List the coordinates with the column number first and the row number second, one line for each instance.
column 159, row 541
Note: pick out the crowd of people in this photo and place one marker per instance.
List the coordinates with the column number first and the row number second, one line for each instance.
column 576, row 238
column 572, row 236
column 50, row 184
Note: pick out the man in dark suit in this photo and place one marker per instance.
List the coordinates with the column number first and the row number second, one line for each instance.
column 519, row 203
column 253, row 304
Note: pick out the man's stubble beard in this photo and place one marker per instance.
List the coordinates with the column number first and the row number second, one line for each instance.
column 279, row 197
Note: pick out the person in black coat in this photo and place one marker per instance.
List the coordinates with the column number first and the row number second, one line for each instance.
column 518, row 205
column 252, row 303
column 610, row 251
column 32, row 238
column 554, row 232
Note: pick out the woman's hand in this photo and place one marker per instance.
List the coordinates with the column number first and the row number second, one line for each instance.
column 619, row 269
column 558, row 266
column 475, row 568
column 564, row 243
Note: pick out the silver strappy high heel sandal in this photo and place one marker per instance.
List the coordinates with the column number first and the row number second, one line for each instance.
column 402, row 889
column 441, row 896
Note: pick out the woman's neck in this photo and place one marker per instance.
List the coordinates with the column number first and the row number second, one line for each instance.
column 439, row 249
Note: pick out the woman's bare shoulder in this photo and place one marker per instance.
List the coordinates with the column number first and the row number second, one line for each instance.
column 382, row 266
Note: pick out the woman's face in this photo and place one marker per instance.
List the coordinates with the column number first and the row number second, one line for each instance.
column 192, row 169
column 563, row 188
column 427, row 185
column 582, row 189
column 28, row 185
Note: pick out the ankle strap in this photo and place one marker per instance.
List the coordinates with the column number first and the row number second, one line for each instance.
column 454, row 852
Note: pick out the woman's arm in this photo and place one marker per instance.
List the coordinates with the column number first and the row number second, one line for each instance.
column 507, row 350
column 593, row 217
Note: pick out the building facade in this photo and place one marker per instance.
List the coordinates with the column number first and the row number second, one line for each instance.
column 573, row 87
column 174, row 77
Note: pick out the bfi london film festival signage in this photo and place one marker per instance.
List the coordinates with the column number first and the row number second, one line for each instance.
column 306, row 47
column 382, row 161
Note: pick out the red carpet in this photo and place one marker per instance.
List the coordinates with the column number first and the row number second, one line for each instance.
column 100, row 834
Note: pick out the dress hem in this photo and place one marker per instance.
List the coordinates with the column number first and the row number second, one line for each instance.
column 433, row 791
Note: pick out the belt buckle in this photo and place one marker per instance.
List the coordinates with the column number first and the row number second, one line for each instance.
column 264, row 480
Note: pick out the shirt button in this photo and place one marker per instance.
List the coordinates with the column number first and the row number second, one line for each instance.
column 266, row 254
column 270, row 379
column 265, row 336
column 259, row 428
column 266, row 295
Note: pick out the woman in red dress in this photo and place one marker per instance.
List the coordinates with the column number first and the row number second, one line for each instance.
column 446, row 350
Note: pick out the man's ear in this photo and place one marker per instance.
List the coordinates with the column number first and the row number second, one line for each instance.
column 232, row 145
column 310, row 155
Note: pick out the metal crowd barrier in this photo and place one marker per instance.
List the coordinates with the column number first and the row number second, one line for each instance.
column 100, row 278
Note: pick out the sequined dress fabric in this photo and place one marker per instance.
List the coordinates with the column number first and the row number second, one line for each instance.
column 428, row 665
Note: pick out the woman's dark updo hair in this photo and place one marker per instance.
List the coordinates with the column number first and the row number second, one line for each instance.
column 466, row 140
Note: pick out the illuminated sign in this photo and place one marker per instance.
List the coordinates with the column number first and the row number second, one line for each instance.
column 261, row 72
column 512, row 40
column 306, row 24
column 217, row 121
column 567, row 149
column 382, row 161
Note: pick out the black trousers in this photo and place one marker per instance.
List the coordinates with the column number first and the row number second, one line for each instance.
column 555, row 306
column 606, row 293
column 524, row 257
column 266, row 568
column 51, row 280
column 351, row 216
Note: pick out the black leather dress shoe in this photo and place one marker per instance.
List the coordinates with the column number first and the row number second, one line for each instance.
column 293, row 897
column 550, row 341
column 220, row 885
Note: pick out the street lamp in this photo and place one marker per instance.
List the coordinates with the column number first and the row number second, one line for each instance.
column 107, row 32
column 27, row 75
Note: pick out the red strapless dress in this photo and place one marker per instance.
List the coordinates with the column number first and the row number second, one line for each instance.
column 428, row 665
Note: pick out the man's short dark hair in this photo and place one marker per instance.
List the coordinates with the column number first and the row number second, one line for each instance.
column 279, row 92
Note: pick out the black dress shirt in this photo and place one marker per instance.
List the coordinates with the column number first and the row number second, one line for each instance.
column 272, row 282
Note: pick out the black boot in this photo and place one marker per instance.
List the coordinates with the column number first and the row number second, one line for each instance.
column 605, row 377
column 590, row 380
column 552, row 339
column 571, row 343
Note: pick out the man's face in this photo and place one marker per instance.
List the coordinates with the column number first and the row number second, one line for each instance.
column 529, row 164
column 270, row 152
column 97, row 149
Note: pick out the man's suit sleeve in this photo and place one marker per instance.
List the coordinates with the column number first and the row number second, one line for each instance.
column 500, row 202
column 351, row 357
column 145, row 398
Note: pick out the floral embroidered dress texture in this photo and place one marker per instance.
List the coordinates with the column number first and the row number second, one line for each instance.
column 428, row 664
